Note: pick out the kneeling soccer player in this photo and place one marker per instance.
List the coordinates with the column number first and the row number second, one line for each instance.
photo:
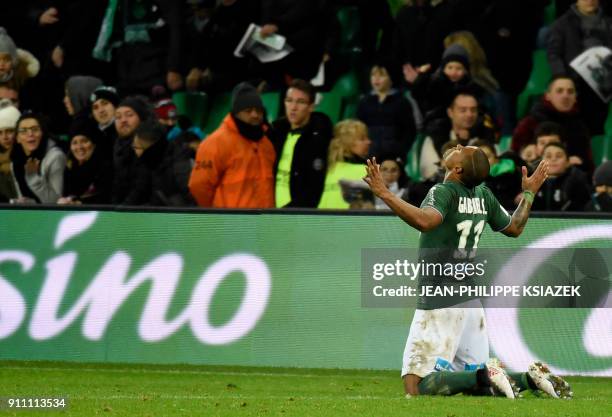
column 453, row 216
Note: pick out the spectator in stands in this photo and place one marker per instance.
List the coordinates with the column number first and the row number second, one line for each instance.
column 493, row 99
column 306, row 26
column 234, row 166
column 130, row 113
column 388, row 115
column 301, row 140
column 558, row 105
column 545, row 133
column 104, row 101
column 9, row 93
column 16, row 65
column 213, row 66
column 421, row 26
column 582, row 27
column 8, row 120
column 88, row 175
column 434, row 91
column 144, row 38
column 165, row 111
column 462, row 124
column 348, row 151
column 601, row 200
column 395, row 178
column 79, row 89
column 505, row 174
column 566, row 188
column 528, row 154
column 38, row 164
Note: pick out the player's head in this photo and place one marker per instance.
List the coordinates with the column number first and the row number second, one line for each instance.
column 467, row 164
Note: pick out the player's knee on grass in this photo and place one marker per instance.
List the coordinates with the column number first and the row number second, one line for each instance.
column 411, row 384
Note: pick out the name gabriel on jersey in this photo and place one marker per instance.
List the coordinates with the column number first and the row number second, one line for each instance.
column 473, row 205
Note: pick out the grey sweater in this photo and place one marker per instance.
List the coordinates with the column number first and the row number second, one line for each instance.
column 48, row 184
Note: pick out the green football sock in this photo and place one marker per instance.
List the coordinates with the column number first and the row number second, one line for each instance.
column 448, row 383
column 522, row 380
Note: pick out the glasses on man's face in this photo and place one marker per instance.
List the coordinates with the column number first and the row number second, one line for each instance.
column 24, row 130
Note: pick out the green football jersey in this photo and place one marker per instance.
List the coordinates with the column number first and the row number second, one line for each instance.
column 465, row 213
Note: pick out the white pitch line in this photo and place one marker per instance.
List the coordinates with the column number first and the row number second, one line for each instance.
column 193, row 372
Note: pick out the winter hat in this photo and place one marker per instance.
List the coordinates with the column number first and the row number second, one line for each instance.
column 105, row 92
column 603, row 174
column 456, row 53
column 79, row 89
column 7, row 46
column 245, row 96
column 141, row 105
column 165, row 109
column 86, row 127
column 8, row 117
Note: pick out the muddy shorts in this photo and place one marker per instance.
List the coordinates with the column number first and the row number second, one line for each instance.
column 447, row 339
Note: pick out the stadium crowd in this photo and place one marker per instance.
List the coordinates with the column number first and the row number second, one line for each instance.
column 87, row 113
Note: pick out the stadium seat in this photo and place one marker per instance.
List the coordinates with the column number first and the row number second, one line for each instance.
column 601, row 146
column 192, row 105
column 608, row 125
column 331, row 104
column 272, row 104
column 350, row 107
column 413, row 159
column 348, row 17
column 550, row 13
column 348, row 85
column 536, row 85
column 221, row 106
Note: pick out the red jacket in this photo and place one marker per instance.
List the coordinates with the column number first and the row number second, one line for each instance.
column 232, row 171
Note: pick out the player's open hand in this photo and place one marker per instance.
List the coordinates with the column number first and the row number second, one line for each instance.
column 374, row 178
column 536, row 180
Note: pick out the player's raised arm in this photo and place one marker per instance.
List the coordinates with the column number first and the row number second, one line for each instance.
column 530, row 186
column 422, row 219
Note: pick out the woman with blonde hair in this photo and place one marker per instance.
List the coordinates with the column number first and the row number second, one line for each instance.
column 348, row 151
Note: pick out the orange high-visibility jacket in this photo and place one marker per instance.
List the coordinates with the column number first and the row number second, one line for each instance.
column 232, row 171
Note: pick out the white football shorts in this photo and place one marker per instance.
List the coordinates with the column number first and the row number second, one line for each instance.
column 447, row 339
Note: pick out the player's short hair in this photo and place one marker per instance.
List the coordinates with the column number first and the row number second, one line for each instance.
column 304, row 87
column 548, row 129
column 475, row 168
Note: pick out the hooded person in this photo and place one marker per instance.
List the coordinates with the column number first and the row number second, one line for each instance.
column 88, row 176
column 234, row 166
column 17, row 65
column 435, row 91
column 78, row 92
column 8, row 120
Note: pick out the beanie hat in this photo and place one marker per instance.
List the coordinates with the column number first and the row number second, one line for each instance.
column 165, row 109
column 245, row 96
column 84, row 126
column 7, row 46
column 105, row 92
column 140, row 105
column 150, row 131
column 8, row 117
column 456, row 53
column 603, row 174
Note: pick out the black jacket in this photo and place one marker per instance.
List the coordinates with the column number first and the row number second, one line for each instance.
column 565, row 42
column 170, row 176
column 390, row 124
column 90, row 183
column 309, row 163
column 568, row 192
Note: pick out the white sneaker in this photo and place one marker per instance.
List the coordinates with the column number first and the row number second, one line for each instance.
column 551, row 384
column 500, row 382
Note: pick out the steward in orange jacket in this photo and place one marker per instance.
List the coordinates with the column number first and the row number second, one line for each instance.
column 234, row 166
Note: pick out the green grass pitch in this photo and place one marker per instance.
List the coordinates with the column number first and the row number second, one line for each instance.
column 149, row 390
